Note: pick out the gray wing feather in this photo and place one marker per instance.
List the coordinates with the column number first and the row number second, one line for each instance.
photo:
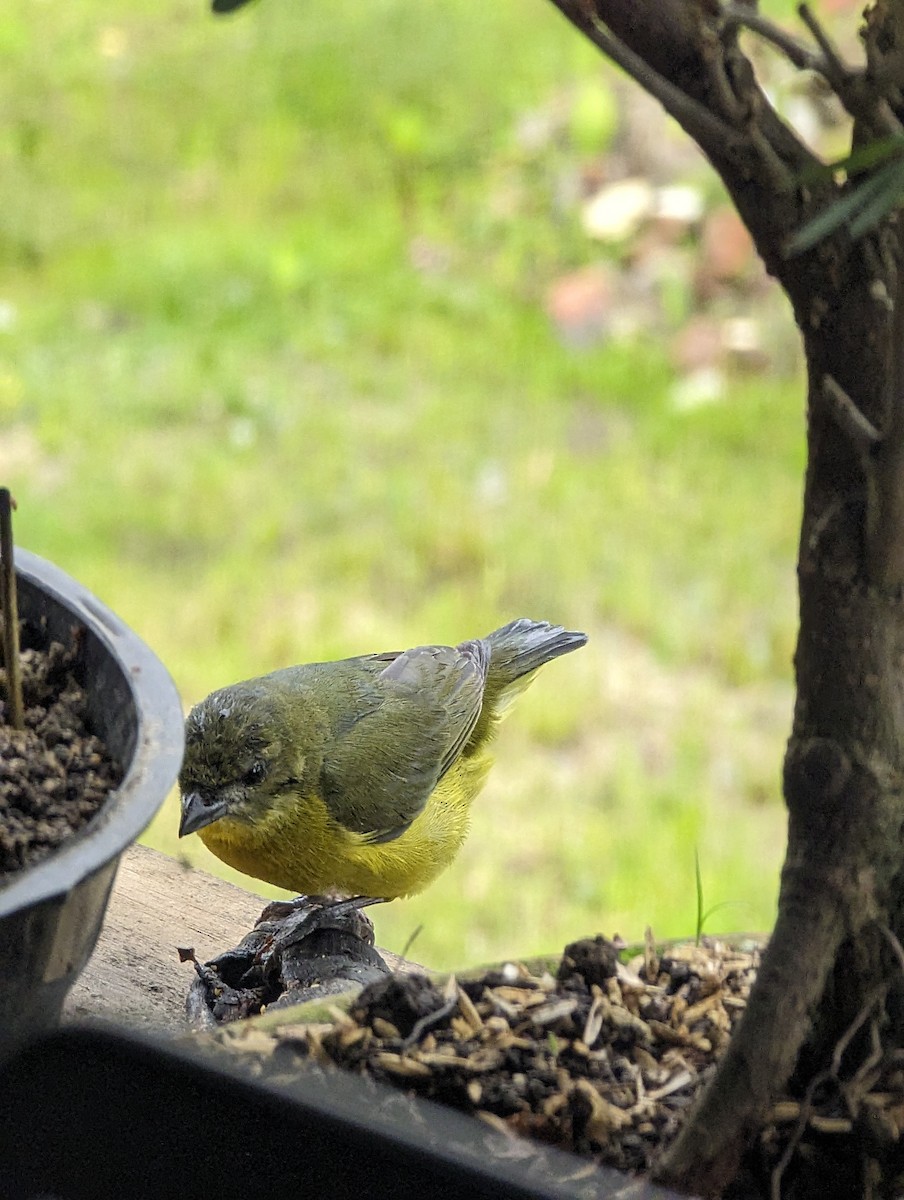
column 410, row 727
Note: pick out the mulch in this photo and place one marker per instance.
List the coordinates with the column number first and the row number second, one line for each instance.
column 600, row 1054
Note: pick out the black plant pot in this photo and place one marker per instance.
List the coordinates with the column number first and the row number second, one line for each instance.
column 51, row 913
column 93, row 1112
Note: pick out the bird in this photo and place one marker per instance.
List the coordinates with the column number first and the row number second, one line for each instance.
column 356, row 777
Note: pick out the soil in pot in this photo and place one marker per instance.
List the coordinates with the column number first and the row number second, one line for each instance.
column 593, row 1055
column 55, row 773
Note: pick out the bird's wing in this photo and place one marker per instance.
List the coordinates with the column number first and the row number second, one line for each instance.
column 414, row 717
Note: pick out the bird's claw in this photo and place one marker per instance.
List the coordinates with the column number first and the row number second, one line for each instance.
column 278, row 910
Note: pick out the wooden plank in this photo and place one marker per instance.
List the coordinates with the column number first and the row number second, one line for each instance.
column 134, row 976
column 157, row 904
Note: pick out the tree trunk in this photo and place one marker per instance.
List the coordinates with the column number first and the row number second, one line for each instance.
column 824, row 990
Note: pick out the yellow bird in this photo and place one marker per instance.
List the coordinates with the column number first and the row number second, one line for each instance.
column 356, row 776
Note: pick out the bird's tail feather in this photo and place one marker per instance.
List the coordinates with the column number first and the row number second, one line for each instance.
column 524, row 645
column 519, row 649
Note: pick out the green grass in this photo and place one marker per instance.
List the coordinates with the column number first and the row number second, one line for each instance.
column 233, row 405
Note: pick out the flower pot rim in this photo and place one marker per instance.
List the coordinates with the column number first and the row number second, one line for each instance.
column 155, row 760
column 421, row 1146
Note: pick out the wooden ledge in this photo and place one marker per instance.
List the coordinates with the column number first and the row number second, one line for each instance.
column 158, row 904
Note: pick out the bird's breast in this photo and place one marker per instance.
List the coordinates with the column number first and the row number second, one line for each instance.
column 298, row 846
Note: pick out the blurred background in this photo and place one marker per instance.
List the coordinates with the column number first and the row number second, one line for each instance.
column 333, row 328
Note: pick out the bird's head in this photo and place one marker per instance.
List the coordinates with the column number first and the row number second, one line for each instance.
column 239, row 756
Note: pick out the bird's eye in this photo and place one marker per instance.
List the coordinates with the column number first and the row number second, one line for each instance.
column 255, row 774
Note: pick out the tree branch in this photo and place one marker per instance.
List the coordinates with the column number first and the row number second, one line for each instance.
column 857, row 94
column 683, row 54
column 859, row 428
column 693, row 117
column 885, row 531
column 687, row 55
column 706, row 1154
column 884, row 50
column 835, row 69
column 738, row 16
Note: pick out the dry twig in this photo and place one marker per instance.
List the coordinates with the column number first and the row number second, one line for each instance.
column 16, row 717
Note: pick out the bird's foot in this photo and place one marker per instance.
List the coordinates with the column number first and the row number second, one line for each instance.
column 278, row 910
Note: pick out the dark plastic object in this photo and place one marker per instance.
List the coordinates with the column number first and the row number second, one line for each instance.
column 51, row 913
column 89, row 1112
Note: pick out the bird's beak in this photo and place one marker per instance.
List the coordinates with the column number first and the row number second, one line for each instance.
column 198, row 811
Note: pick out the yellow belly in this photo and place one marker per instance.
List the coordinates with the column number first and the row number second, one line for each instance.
column 296, row 845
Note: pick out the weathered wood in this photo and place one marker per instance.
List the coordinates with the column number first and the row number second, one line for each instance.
column 158, row 904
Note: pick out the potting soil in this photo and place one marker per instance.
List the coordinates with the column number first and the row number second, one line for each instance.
column 55, row 774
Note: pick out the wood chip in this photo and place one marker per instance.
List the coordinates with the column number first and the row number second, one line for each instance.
column 830, row 1124
column 604, row 1117
column 784, row 1111
column 552, row 1011
column 494, row 1121
column 468, row 1011
column 401, row 1065
column 693, row 1014
column 477, row 1063
column 681, row 1079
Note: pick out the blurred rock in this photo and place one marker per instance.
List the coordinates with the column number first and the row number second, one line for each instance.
column 698, row 344
column 705, row 342
column 704, row 386
column 618, row 210
column 802, row 114
column 579, row 305
column 727, row 252
column 537, row 129
column 742, row 338
column 678, row 209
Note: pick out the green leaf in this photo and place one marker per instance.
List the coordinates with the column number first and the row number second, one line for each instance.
column 882, row 204
column 865, row 204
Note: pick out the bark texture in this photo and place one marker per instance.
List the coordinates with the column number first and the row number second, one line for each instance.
column 834, row 961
